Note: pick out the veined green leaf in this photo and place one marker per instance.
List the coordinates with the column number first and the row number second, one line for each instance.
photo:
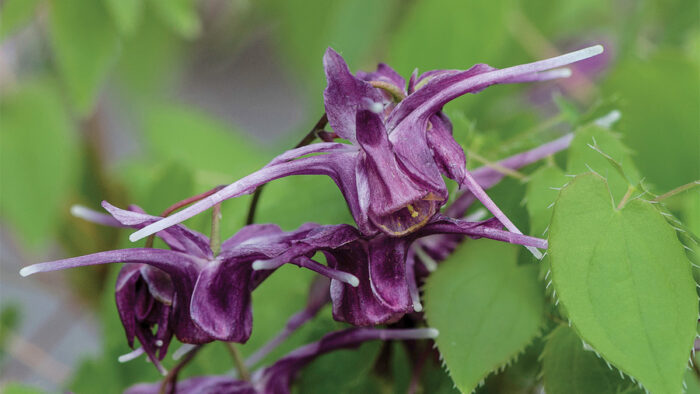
column 542, row 190
column 486, row 307
column 625, row 281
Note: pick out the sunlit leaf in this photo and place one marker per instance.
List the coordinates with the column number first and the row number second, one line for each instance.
column 180, row 15
column 126, row 14
column 624, row 280
column 487, row 309
column 14, row 14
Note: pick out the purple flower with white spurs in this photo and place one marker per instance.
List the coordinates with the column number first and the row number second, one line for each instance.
column 387, row 282
column 187, row 291
column 278, row 377
column 399, row 144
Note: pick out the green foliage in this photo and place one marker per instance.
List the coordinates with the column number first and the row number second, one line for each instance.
column 623, row 277
column 18, row 388
column 180, row 15
column 660, row 121
column 542, row 190
column 83, row 60
column 487, row 309
column 37, row 160
column 593, row 149
column 568, row 367
column 126, row 14
column 14, row 14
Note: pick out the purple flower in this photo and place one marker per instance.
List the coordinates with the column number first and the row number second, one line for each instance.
column 399, row 144
column 278, row 377
column 187, row 291
column 384, row 265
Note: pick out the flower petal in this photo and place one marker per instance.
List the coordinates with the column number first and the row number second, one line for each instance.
column 344, row 95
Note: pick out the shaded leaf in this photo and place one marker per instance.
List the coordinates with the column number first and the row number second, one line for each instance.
column 180, row 15
column 126, row 14
column 14, row 14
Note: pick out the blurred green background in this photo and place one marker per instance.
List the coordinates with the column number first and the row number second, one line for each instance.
column 151, row 101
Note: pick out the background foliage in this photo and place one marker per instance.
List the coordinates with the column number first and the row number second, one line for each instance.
column 139, row 101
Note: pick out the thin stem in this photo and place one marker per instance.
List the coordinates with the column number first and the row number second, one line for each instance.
column 677, row 190
column 396, row 94
column 215, row 235
column 170, row 381
column 308, row 138
column 238, row 361
column 497, row 167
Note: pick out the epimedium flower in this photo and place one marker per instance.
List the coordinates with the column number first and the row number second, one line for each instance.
column 187, row 291
column 387, row 287
column 399, row 144
column 278, row 377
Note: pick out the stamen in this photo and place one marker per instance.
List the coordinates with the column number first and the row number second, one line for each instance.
column 159, row 343
column 428, row 262
column 259, row 265
column 413, row 212
column 131, row 355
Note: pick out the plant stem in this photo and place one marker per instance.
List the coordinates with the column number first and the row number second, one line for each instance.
column 308, row 138
column 238, row 361
column 170, row 381
column 677, row 190
column 497, row 167
column 215, row 235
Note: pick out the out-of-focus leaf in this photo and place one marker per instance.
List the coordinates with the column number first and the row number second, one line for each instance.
column 519, row 377
column 85, row 43
column 467, row 298
column 659, row 116
column 623, row 277
column 9, row 321
column 692, row 382
column 469, row 32
column 181, row 15
column 342, row 371
column 14, row 14
column 20, row 388
column 567, row 367
column 126, row 14
column 582, row 158
column 37, row 159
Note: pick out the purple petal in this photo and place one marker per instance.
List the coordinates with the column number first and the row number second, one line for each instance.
column 249, row 232
column 345, row 95
column 159, row 284
column 486, row 229
column 198, row 385
column 330, row 273
column 387, row 272
column 178, row 238
column 221, row 301
column 398, row 204
column 447, row 152
column 487, row 176
column 88, row 214
column 125, row 298
column 338, row 166
column 384, row 73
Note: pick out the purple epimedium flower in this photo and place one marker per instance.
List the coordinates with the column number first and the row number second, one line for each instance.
column 399, row 144
column 187, row 291
column 278, row 377
column 384, row 265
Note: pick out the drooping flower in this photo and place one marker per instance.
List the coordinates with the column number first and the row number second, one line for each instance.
column 387, row 282
column 399, row 144
column 187, row 291
column 278, row 377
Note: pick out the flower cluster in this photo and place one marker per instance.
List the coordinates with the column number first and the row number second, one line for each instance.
column 389, row 152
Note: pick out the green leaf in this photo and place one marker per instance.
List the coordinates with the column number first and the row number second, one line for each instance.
column 567, row 367
column 37, row 160
column 126, row 14
column 486, row 308
column 14, row 14
column 85, row 44
column 584, row 158
column 20, row 388
column 180, row 15
column 542, row 190
column 659, row 115
column 624, row 280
